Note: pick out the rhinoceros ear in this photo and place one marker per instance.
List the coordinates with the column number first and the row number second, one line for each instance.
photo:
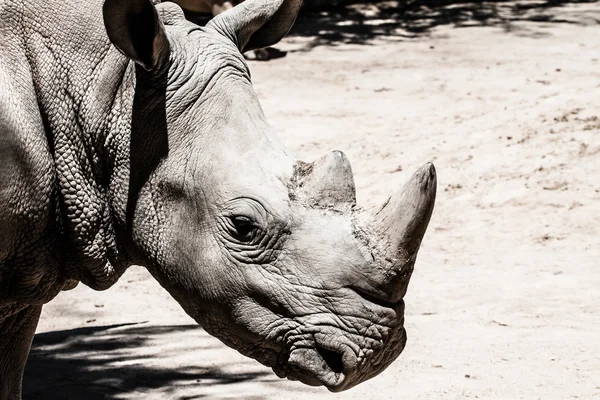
column 134, row 28
column 254, row 24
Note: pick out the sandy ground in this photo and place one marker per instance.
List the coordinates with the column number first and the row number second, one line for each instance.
column 504, row 302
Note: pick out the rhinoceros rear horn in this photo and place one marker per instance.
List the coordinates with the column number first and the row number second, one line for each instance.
column 327, row 182
column 254, row 24
column 134, row 28
column 404, row 218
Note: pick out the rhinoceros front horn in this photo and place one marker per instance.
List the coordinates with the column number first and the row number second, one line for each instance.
column 327, row 182
column 403, row 220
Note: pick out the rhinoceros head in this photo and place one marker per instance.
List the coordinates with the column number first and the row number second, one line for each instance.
column 269, row 254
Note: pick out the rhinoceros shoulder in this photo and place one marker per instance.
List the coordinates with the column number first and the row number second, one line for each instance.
column 28, row 267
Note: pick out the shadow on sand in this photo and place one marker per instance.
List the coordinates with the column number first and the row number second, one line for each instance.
column 109, row 362
column 361, row 23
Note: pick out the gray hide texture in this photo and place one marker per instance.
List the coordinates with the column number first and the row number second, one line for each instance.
column 129, row 135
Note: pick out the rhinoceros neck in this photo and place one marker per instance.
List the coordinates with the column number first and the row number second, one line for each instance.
column 85, row 90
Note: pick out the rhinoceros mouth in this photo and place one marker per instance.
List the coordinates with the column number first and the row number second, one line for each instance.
column 313, row 366
column 325, row 363
column 318, row 366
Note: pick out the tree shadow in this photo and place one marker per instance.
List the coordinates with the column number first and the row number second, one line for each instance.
column 109, row 362
column 364, row 22
column 332, row 23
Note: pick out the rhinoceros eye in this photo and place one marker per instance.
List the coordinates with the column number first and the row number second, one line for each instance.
column 244, row 228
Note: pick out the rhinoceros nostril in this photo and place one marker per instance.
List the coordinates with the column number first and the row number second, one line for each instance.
column 333, row 359
column 376, row 299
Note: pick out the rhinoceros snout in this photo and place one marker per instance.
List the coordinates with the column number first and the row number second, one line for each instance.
column 341, row 351
column 339, row 365
column 359, row 330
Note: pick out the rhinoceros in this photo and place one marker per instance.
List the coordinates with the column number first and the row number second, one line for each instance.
column 129, row 135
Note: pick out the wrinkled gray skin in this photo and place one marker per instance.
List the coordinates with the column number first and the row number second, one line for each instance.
column 153, row 150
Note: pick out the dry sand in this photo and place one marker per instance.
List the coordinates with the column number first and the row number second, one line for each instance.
column 504, row 302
